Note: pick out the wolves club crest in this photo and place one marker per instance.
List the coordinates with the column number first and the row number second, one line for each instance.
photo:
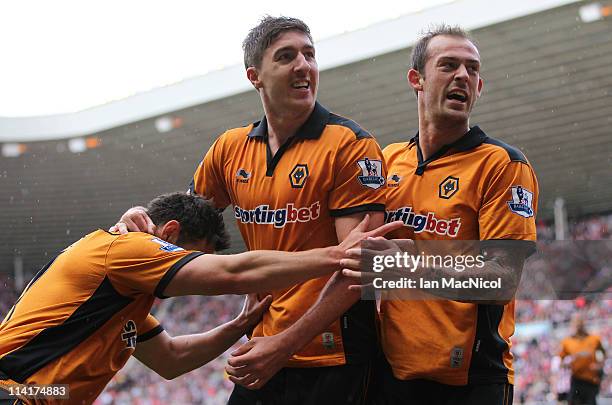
column 298, row 175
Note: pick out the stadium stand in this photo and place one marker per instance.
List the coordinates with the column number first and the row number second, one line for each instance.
column 547, row 90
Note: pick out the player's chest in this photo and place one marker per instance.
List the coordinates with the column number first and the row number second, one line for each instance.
column 300, row 175
column 441, row 202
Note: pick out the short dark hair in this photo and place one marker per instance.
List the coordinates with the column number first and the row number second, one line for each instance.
column 261, row 36
column 419, row 51
column 199, row 218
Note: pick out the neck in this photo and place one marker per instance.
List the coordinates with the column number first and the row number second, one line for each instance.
column 434, row 134
column 581, row 333
column 282, row 125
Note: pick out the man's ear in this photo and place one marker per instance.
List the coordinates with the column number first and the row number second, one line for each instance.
column 253, row 76
column 480, row 86
column 170, row 231
column 415, row 79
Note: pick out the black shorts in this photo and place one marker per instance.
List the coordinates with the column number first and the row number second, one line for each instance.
column 424, row 392
column 346, row 385
column 582, row 392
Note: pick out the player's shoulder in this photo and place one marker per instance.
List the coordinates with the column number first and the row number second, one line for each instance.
column 503, row 151
column 237, row 134
column 140, row 245
column 392, row 150
column 348, row 128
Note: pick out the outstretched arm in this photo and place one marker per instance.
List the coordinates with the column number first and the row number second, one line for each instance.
column 260, row 271
column 171, row 357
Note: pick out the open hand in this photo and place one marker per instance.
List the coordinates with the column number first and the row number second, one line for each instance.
column 134, row 220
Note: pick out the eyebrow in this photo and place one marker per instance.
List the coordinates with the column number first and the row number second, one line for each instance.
column 454, row 59
column 290, row 48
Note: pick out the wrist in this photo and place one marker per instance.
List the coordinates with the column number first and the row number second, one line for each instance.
column 240, row 324
column 336, row 253
column 290, row 342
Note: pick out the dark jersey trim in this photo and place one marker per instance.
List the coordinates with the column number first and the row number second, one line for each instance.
column 529, row 246
column 56, row 341
column 272, row 161
column 474, row 137
column 514, row 154
column 487, row 364
column 150, row 334
column 165, row 280
column 360, row 133
column 34, row 279
column 359, row 208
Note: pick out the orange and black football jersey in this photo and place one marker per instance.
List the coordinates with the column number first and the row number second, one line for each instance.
column 475, row 189
column 289, row 201
column 583, row 351
column 81, row 316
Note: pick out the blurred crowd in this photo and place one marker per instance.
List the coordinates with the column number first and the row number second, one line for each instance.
column 537, row 341
column 541, row 324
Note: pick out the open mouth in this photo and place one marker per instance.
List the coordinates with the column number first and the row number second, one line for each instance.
column 301, row 85
column 458, row 96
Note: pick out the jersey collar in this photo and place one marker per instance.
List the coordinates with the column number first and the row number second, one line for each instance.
column 311, row 129
column 473, row 138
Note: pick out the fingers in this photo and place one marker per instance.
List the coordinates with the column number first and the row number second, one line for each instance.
column 360, row 287
column 364, row 277
column 119, row 227
column 248, row 381
column 241, row 376
column 262, row 305
column 149, row 224
column 352, row 264
column 234, row 361
column 405, row 245
column 137, row 220
column 351, row 273
column 365, row 222
column 140, row 223
column 354, row 253
column 386, row 228
column 379, row 244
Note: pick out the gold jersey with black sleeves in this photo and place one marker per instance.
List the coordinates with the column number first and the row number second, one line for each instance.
column 475, row 189
column 80, row 318
column 289, row 201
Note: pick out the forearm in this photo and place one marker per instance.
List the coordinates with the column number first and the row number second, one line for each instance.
column 192, row 351
column 256, row 271
column 272, row 270
column 334, row 300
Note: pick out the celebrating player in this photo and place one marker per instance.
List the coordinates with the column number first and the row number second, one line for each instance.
column 449, row 352
column 453, row 182
column 297, row 180
column 87, row 311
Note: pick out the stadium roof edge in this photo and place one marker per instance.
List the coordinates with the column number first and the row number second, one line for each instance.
column 377, row 39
